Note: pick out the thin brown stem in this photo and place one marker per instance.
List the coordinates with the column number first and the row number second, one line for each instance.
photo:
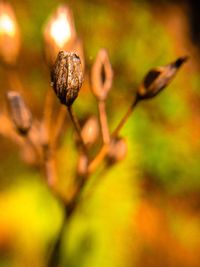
column 104, row 150
column 58, row 125
column 103, row 122
column 48, row 110
column 125, row 118
column 98, row 159
column 50, row 171
column 77, row 128
column 36, row 149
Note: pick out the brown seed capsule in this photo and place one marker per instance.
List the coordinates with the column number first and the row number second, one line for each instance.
column 102, row 75
column 59, row 33
column 117, row 150
column 67, row 77
column 158, row 78
column 19, row 112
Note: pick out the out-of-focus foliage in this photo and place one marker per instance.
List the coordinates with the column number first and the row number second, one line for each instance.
column 133, row 215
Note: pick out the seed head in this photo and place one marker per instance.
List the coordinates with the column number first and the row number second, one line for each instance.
column 19, row 112
column 67, row 77
column 158, row 78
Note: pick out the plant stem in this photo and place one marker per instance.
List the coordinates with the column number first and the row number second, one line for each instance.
column 77, row 128
column 103, row 151
column 59, row 124
column 98, row 159
column 48, row 110
column 103, row 122
column 50, row 171
column 125, row 117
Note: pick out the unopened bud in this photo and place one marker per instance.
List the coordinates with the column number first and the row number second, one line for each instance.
column 67, row 77
column 9, row 35
column 117, row 150
column 102, row 75
column 59, row 33
column 90, row 131
column 19, row 112
column 158, row 78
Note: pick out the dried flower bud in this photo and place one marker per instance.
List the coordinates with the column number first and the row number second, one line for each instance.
column 67, row 77
column 117, row 150
column 19, row 112
column 102, row 75
column 158, row 78
column 59, row 33
column 90, row 131
column 9, row 35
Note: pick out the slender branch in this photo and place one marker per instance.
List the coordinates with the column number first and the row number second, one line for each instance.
column 77, row 128
column 125, row 117
column 103, row 151
column 58, row 125
column 98, row 159
column 103, row 122
column 48, row 110
column 50, row 171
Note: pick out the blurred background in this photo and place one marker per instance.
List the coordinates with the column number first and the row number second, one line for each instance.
column 145, row 210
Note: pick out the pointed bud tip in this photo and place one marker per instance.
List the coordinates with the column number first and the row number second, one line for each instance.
column 178, row 63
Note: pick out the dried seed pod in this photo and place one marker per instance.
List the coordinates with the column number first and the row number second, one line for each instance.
column 9, row 35
column 59, row 33
column 19, row 112
column 158, row 78
column 67, row 77
column 90, row 131
column 117, row 150
column 102, row 75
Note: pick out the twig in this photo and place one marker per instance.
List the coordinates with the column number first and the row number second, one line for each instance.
column 50, row 170
column 98, row 159
column 103, row 122
column 58, row 125
column 48, row 110
column 125, row 117
column 104, row 150
column 77, row 128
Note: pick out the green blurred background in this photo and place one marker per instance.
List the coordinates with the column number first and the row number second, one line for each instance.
column 145, row 210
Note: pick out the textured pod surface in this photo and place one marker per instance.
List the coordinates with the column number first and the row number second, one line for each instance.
column 158, row 78
column 19, row 112
column 67, row 77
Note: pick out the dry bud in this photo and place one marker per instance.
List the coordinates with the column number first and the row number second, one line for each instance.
column 158, row 78
column 117, row 150
column 9, row 35
column 67, row 77
column 20, row 114
column 90, row 131
column 59, row 33
column 102, row 75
